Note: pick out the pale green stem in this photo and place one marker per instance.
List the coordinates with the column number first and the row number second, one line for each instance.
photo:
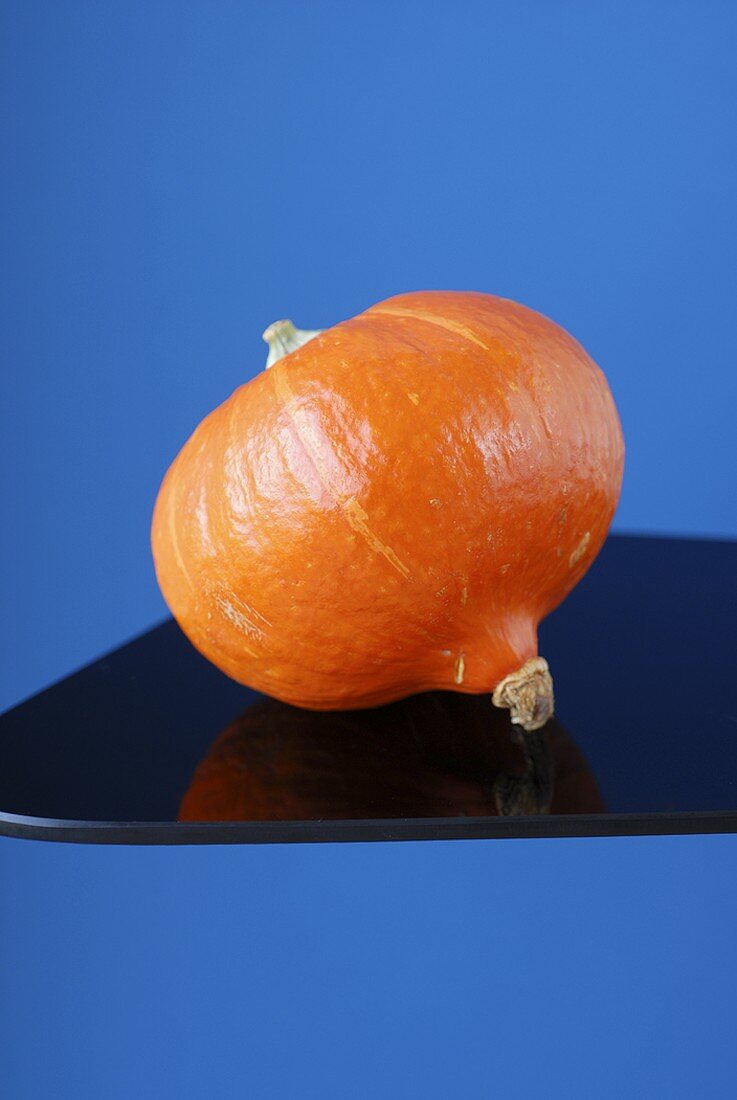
column 283, row 338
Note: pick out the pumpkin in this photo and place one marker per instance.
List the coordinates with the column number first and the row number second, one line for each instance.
column 393, row 506
column 433, row 755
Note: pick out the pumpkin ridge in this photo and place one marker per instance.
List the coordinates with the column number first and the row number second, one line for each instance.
column 434, row 319
column 351, row 510
column 172, row 526
column 356, row 518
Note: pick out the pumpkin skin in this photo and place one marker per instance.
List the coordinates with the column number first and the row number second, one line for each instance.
column 393, row 507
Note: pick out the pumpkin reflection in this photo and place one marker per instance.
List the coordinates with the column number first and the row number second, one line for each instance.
column 433, row 755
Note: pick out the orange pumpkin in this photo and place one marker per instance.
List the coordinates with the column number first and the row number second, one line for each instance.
column 393, row 506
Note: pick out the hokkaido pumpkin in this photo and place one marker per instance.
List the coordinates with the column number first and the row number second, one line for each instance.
column 393, row 506
column 433, row 755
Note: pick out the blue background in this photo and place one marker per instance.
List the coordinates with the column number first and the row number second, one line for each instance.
column 177, row 175
column 574, row 969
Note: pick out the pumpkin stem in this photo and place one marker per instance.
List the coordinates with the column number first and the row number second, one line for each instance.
column 283, row 338
column 527, row 693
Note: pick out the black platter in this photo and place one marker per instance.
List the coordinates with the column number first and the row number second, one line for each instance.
column 152, row 745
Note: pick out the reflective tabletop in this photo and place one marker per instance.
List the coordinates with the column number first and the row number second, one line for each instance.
column 151, row 744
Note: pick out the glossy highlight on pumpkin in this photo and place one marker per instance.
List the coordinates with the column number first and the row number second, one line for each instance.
column 394, row 506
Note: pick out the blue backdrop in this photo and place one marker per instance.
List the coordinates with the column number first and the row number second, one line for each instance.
column 503, row 970
column 177, row 175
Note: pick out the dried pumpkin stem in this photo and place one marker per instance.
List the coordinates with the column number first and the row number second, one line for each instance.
column 283, row 338
column 528, row 694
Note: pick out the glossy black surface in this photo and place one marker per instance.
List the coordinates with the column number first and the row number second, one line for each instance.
column 643, row 654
